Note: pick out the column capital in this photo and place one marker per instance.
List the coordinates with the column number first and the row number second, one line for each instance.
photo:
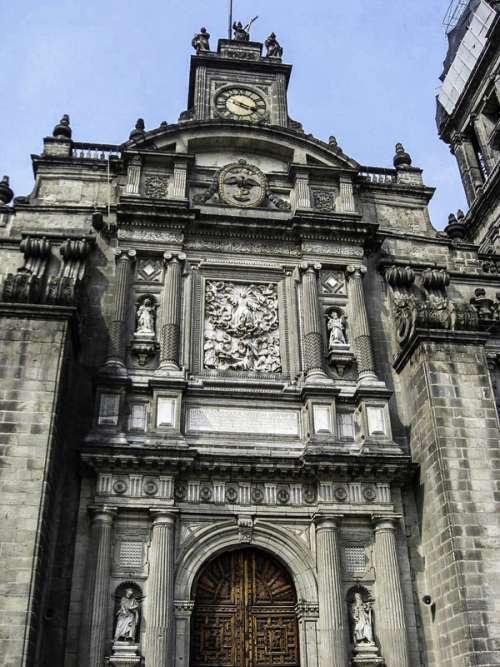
column 307, row 611
column 356, row 270
column 326, row 521
column 174, row 257
column 164, row 516
column 183, row 608
column 122, row 255
column 386, row 522
column 310, row 267
column 102, row 513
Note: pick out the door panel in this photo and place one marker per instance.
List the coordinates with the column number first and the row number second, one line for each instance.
column 244, row 614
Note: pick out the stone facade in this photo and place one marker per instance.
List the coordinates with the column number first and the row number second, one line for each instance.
column 228, row 337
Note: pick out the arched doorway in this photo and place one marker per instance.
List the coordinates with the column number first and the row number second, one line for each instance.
column 244, row 613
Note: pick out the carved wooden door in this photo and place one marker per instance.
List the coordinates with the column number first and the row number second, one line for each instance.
column 244, row 614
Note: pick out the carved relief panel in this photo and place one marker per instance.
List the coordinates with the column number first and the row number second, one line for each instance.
column 241, row 327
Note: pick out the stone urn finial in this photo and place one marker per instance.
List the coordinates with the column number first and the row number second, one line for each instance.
column 139, row 131
column 6, row 193
column 456, row 227
column 63, row 129
column 402, row 159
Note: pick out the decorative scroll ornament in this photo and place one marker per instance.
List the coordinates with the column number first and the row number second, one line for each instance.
column 242, row 185
column 427, row 307
column 241, row 327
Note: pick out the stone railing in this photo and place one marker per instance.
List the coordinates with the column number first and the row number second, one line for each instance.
column 378, row 174
column 93, row 151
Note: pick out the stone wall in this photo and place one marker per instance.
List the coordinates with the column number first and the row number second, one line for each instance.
column 455, row 439
column 34, row 350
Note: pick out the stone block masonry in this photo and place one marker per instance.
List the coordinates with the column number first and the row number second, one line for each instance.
column 455, row 439
column 33, row 350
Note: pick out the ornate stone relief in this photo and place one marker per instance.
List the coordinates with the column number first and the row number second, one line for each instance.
column 354, row 493
column 149, row 269
column 242, row 185
column 156, row 186
column 135, row 486
column 324, row 199
column 426, row 306
column 241, row 327
column 332, row 282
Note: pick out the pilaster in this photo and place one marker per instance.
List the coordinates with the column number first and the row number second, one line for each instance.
column 391, row 624
column 468, row 165
column 170, row 311
column 102, row 533
column 332, row 617
column 160, row 622
column 313, row 353
column 117, row 329
column 360, row 330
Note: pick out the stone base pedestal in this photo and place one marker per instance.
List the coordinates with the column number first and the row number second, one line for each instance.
column 366, row 656
column 124, row 654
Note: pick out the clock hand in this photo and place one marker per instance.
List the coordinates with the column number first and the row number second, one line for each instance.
column 243, row 105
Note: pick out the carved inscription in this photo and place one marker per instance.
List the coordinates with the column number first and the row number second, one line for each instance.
column 241, row 327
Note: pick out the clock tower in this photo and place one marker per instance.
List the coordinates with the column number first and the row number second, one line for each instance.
column 238, row 82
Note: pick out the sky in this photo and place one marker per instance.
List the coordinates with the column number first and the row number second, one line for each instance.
column 365, row 71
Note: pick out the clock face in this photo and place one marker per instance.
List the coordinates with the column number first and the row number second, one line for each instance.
column 240, row 104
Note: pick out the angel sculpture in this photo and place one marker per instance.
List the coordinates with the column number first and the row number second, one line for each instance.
column 274, row 49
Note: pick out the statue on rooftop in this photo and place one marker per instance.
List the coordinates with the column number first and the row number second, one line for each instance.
column 201, row 42
column 242, row 34
column 274, row 49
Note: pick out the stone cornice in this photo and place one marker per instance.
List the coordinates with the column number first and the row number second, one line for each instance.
column 437, row 336
column 36, row 311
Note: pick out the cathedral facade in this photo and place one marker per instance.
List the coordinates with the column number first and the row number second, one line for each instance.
column 248, row 391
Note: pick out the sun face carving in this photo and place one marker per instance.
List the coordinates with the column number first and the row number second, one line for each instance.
column 240, row 104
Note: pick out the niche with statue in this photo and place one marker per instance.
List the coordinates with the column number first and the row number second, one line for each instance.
column 144, row 343
column 127, row 625
column 340, row 356
column 365, row 652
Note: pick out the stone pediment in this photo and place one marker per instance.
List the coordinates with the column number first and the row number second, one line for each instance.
column 286, row 144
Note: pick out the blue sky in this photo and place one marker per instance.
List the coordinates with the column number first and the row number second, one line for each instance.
column 364, row 70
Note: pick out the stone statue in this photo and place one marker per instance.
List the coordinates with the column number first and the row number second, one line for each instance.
column 146, row 318
column 336, row 329
column 274, row 49
column 361, row 614
column 240, row 33
column 127, row 617
column 201, row 41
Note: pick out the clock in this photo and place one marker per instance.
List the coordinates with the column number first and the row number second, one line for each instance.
column 240, row 104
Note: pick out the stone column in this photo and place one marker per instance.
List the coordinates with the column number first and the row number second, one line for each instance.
column 482, row 136
column 117, row 329
column 160, row 600
column 102, row 534
column 391, row 623
column 313, row 354
column 183, row 612
column 468, row 165
column 307, row 617
column 332, row 624
column 170, row 298
column 359, row 328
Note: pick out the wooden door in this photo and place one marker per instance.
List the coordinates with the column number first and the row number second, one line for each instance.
column 244, row 614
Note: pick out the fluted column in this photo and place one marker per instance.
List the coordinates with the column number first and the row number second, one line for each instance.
column 360, row 330
column 391, row 623
column 332, row 624
column 170, row 298
column 482, row 136
column 102, row 534
column 159, row 633
column 313, row 355
column 117, row 329
column 468, row 165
